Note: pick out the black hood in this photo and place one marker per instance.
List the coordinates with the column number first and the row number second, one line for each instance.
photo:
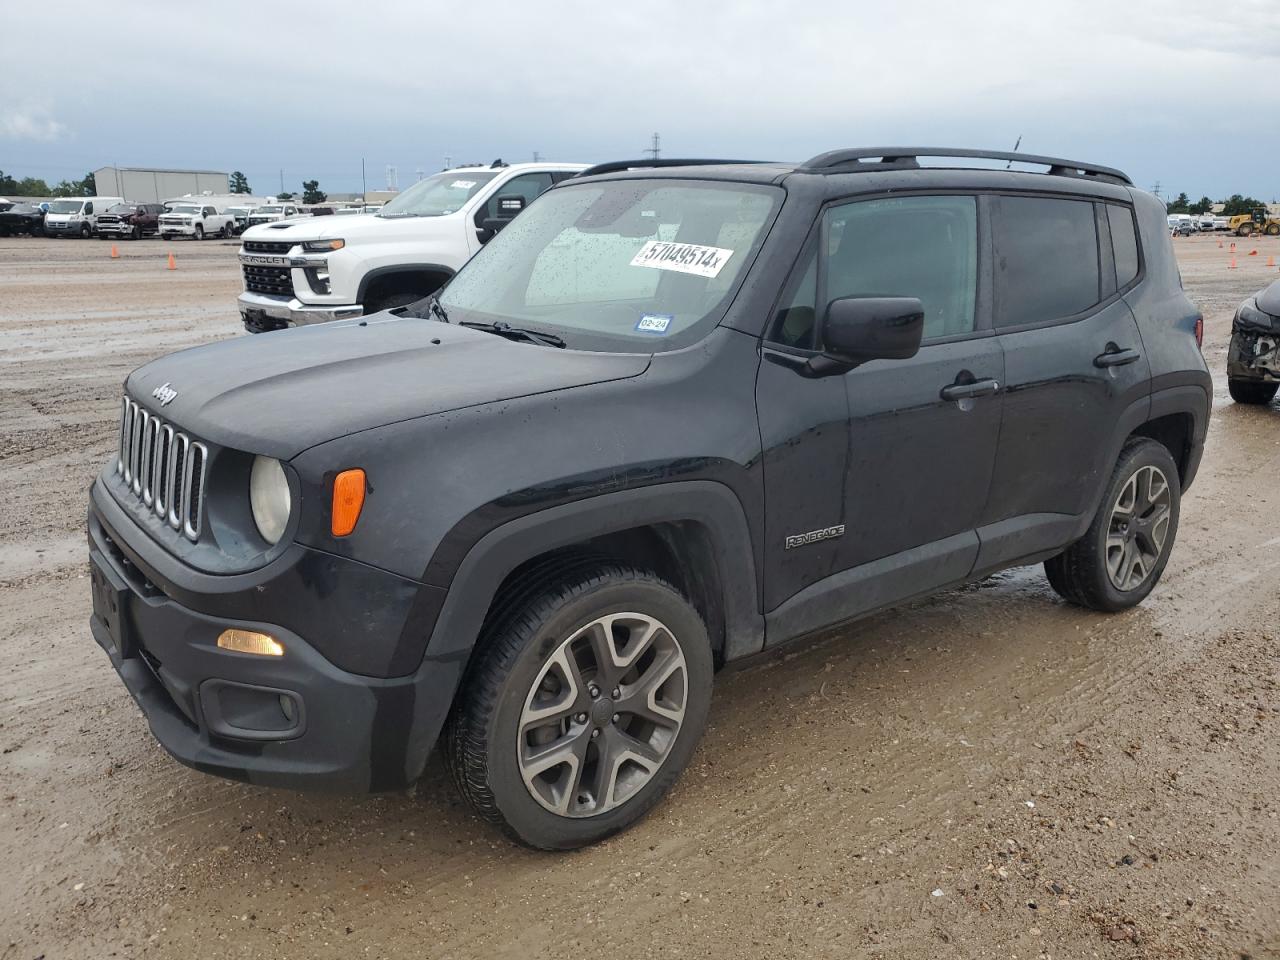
column 280, row 393
column 1269, row 299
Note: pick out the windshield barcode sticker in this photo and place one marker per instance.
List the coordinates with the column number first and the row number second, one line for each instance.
column 682, row 257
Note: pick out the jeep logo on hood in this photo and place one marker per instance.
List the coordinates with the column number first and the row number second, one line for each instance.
column 164, row 393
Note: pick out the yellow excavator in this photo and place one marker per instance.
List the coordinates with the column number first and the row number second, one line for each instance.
column 1259, row 221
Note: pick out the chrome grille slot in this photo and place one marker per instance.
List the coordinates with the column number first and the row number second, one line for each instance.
column 163, row 467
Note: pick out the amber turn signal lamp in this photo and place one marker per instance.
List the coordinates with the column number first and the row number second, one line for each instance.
column 348, row 501
column 250, row 641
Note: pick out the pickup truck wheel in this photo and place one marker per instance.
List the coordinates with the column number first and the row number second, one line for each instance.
column 225, row 232
column 135, row 233
column 1121, row 557
column 199, row 232
column 583, row 705
column 1252, row 391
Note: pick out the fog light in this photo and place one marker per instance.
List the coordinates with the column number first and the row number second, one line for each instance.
column 250, row 641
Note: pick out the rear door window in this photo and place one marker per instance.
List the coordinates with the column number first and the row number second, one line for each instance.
column 1046, row 259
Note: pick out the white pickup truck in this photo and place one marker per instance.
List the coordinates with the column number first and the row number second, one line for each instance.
column 196, row 220
column 333, row 268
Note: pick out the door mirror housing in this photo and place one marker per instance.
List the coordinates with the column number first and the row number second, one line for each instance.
column 860, row 329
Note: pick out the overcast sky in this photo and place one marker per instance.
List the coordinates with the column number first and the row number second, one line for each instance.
column 1183, row 92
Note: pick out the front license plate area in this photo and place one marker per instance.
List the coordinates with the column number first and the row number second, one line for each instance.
column 109, row 606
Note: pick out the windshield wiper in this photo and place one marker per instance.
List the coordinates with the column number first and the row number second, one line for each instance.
column 504, row 329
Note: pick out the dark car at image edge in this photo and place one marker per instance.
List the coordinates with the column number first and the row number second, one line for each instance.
column 677, row 414
column 1253, row 356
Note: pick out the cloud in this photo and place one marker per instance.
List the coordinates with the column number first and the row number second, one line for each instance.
column 29, row 123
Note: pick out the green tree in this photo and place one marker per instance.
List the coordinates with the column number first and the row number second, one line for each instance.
column 33, row 187
column 239, row 183
column 311, row 192
column 84, row 187
column 1203, row 205
column 286, row 195
column 1179, row 205
column 7, row 184
column 1237, row 204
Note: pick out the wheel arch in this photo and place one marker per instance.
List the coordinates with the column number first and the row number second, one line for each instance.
column 692, row 533
column 400, row 278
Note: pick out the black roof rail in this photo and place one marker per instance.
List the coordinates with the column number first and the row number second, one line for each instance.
column 615, row 165
column 907, row 158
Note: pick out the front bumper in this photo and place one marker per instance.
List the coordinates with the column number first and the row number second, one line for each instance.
column 1254, row 354
column 262, row 312
column 225, row 713
column 115, row 229
column 177, row 229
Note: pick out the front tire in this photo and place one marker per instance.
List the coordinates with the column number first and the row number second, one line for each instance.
column 199, row 234
column 1252, row 391
column 587, row 696
column 85, row 231
column 1122, row 556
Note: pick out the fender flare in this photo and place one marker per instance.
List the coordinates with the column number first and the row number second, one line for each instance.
column 378, row 273
column 504, row 548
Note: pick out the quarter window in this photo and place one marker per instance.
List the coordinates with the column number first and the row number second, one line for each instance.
column 1046, row 259
column 1124, row 242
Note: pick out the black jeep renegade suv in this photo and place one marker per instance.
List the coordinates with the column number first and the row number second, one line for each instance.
column 674, row 415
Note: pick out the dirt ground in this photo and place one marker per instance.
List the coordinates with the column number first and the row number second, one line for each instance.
column 989, row 773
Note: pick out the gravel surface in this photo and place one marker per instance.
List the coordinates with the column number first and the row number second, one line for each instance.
column 987, row 773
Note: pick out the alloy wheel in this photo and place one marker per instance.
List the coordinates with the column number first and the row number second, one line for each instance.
column 602, row 715
column 1139, row 528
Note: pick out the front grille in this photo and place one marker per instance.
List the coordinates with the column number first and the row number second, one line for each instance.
column 267, row 246
column 163, row 467
column 274, row 280
column 106, row 219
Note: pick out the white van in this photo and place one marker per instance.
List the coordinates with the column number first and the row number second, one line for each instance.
column 76, row 216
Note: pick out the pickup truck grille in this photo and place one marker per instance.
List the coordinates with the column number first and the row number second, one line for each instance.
column 163, row 467
column 274, row 280
column 265, row 246
column 108, row 218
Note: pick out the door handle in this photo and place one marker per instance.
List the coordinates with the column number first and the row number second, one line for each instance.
column 964, row 391
column 1115, row 357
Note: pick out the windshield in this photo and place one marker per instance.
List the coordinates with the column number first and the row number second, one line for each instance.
column 623, row 264
column 66, row 206
column 269, row 209
column 184, row 208
column 123, row 208
column 438, row 196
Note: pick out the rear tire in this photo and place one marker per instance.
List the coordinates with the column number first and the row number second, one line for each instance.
column 1273, row 229
column 585, row 699
column 1252, row 391
column 1121, row 557
column 226, row 231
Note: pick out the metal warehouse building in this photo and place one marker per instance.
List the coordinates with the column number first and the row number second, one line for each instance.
column 145, row 185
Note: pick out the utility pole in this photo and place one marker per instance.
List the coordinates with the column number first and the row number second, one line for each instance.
column 448, row 161
column 364, row 183
column 1155, row 189
column 536, row 156
column 655, row 150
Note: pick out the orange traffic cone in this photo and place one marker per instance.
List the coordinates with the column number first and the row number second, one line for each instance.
column 115, row 252
column 174, row 266
column 1271, row 261
column 1233, row 246
column 1233, row 264
column 1253, row 253
column 1219, row 243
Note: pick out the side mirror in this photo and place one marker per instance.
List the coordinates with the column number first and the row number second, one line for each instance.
column 860, row 329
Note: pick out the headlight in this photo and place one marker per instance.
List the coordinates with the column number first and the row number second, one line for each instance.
column 323, row 246
column 1250, row 316
column 270, row 498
